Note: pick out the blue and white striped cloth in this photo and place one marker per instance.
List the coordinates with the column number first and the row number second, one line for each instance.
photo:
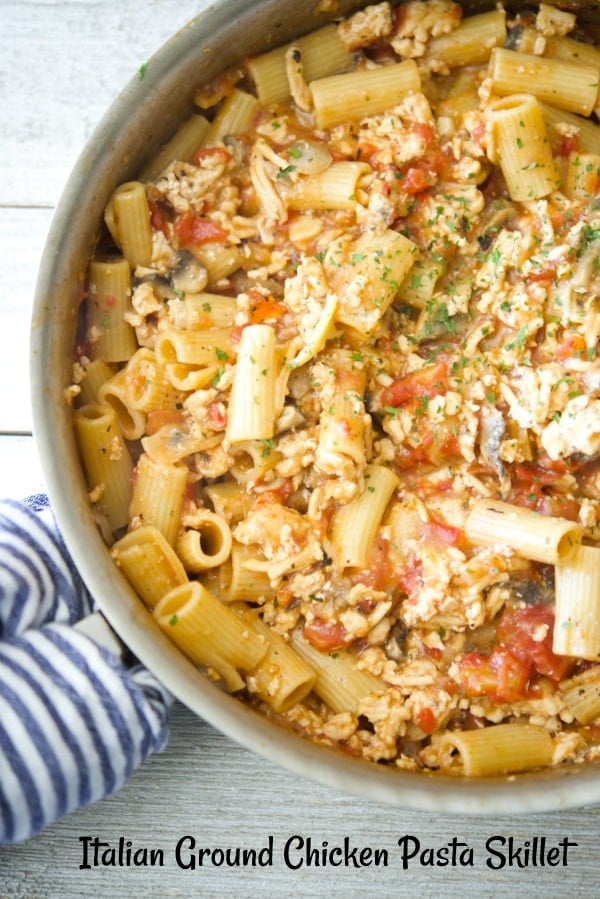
column 74, row 720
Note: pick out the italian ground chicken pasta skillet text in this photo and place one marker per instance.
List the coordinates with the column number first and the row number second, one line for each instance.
column 337, row 386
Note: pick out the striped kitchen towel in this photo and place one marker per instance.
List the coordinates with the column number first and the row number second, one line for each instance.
column 75, row 721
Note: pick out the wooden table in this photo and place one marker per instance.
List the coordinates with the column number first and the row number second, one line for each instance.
column 62, row 64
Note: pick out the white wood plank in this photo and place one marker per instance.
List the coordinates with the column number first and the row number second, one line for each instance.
column 62, row 65
column 208, row 788
column 22, row 236
column 20, row 468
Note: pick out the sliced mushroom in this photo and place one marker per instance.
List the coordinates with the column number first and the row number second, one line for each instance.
column 493, row 428
column 534, row 587
column 188, row 274
column 395, row 645
column 161, row 287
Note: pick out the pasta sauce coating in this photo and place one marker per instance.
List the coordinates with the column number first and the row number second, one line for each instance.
column 343, row 330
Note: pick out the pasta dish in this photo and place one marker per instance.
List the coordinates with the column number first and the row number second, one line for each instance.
column 337, row 391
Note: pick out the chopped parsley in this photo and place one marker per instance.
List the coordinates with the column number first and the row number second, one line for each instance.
column 283, row 173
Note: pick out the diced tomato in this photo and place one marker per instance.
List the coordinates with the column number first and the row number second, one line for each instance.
column 574, row 345
column 415, row 180
column 533, row 473
column 278, row 494
column 217, row 416
column 408, row 457
column 379, row 572
column 440, row 534
column 501, row 675
column 426, row 487
column 399, row 18
column 219, row 153
column 556, row 505
column 426, row 720
column 158, row 218
column 189, row 497
column 524, row 649
column 411, row 578
column 429, row 381
column 533, row 489
column 568, row 143
column 424, row 131
column 450, row 446
column 266, row 308
column 193, row 230
column 527, row 633
column 479, row 131
column 158, row 418
column 367, row 152
column 437, row 160
column 325, row 635
column 526, row 496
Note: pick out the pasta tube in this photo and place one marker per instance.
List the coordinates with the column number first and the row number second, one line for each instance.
column 131, row 421
column 500, row 749
column 97, row 372
column 252, row 410
column 282, row 678
column 366, row 276
column 582, row 695
column 209, row 310
column 577, row 610
column 106, row 461
column 364, row 92
column 568, row 85
column 149, row 563
column 322, row 53
column 583, row 175
column 252, row 459
column 339, row 682
column 234, row 117
column 201, row 348
column 229, row 500
column 355, row 525
column 206, row 543
column 127, row 217
column 209, row 633
column 112, row 338
column 342, row 425
column 237, row 582
column 158, row 495
column 146, row 385
column 471, row 43
column 333, row 188
column 588, row 133
column 518, row 142
column 538, row 537
column 181, row 147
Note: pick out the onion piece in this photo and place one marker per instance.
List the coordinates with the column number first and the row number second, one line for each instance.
column 309, row 157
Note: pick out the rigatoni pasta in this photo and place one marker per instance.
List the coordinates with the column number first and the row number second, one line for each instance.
column 520, row 144
column 338, row 387
column 106, row 461
column 112, row 337
column 211, row 634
